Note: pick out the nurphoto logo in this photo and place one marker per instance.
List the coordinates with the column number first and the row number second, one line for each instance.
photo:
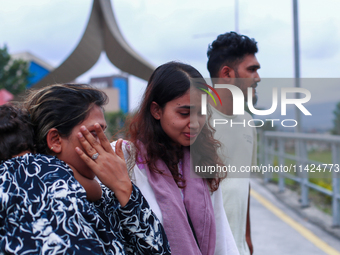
column 238, row 104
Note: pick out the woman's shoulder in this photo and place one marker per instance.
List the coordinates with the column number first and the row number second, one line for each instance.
column 29, row 158
column 129, row 150
column 35, row 169
column 36, row 180
column 127, row 146
column 36, row 162
column 41, row 194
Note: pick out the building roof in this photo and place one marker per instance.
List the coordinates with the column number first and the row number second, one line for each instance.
column 29, row 57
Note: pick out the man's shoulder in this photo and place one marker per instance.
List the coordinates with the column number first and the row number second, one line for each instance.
column 247, row 116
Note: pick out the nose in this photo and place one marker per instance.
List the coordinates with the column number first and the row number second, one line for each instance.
column 193, row 123
column 257, row 77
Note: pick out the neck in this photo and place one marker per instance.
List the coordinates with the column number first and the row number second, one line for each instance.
column 91, row 186
column 21, row 154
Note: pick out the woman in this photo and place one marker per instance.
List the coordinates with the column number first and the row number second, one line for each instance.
column 45, row 203
column 167, row 123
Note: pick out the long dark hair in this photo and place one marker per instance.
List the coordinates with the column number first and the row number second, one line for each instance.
column 168, row 82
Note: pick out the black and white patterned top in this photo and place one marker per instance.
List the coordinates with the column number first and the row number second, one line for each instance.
column 44, row 210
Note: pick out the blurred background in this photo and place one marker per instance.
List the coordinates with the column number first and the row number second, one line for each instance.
column 162, row 31
column 36, row 36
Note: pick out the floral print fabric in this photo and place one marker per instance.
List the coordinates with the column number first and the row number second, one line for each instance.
column 44, row 210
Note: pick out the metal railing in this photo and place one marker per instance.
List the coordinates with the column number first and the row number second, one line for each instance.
column 275, row 143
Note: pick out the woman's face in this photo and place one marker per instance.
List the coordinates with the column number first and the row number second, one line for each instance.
column 68, row 153
column 181, row 118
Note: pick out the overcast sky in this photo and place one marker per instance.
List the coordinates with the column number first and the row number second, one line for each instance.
column 165, row 30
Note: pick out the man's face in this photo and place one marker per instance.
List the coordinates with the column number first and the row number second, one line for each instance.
column 247, row 71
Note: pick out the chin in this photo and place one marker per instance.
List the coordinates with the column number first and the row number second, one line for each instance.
column 191, row 142
column 185, row 143
column 255, row 99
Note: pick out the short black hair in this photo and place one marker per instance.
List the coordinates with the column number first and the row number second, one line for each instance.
column 16, row 132
column 229, row 49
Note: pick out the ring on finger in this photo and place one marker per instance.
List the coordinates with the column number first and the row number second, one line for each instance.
column 95, row 156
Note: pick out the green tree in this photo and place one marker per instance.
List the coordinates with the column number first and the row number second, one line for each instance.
column 115, row 122
column 336, row 121
column 13, row 73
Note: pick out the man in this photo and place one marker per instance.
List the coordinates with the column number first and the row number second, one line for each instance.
column 232, row 61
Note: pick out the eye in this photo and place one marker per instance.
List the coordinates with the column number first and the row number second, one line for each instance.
column 184, row 113
column 94, row 134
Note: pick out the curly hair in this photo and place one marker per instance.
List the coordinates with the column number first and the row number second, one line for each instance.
column 168, row 82
column 229, row 49
column 16, row 132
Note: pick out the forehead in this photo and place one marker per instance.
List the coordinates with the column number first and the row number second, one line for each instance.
column 249, row 60
column 191, row 97
column 96, row 115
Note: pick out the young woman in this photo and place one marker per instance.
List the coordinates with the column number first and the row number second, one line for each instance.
column 168, row 122
column 45, row 203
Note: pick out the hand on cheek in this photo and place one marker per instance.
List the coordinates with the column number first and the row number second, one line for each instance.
column 108, row 166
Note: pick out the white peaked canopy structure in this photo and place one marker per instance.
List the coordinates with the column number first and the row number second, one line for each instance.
column 101, row 34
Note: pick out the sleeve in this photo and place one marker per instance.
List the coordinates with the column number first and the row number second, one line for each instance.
column 142, row 231
column 125, row 148
column 128, row 151
column 225, row 243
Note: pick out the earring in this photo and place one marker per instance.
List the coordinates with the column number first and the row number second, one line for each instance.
column 52, row 148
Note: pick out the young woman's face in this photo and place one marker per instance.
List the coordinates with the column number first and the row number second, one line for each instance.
column 181, row 118
column 68, row 153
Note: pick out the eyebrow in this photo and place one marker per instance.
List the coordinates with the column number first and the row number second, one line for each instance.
column 186, row 107
column 254, row 66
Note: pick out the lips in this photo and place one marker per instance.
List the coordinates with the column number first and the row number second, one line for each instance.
column 191, row 135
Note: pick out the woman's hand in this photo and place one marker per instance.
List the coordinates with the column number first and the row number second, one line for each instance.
column 109, row 166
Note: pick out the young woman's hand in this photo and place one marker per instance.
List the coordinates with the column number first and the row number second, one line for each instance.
column 109, row 166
